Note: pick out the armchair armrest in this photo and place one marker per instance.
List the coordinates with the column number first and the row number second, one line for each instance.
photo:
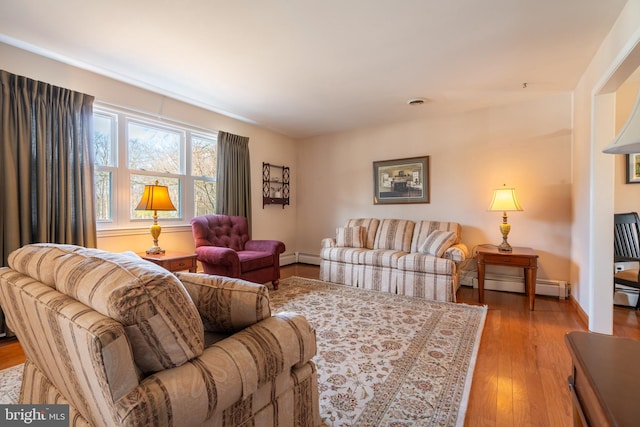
column 457, row 253
column 226, row 305
column 272, row 246
column 226, row 373
column 219, row 255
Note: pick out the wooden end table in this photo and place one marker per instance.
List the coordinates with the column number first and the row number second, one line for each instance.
column 519, row 257
column 173, row 261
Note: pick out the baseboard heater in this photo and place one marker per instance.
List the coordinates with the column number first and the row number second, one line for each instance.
column 288, row 258
column 554, row 288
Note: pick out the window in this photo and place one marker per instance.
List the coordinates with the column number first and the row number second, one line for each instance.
column 105, row 146
column 132, row 151
column 204, row 158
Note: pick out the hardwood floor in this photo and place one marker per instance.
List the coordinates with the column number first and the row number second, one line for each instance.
column 520, row 377
column 10, row 353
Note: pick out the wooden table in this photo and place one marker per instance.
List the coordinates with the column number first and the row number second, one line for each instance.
column 519, row 257
column 173, row 261
column 604, row 380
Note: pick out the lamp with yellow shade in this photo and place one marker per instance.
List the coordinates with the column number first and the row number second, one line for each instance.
column 505, row 200
column 155, row 198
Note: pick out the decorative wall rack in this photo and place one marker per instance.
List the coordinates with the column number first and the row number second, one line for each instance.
column 275, row 185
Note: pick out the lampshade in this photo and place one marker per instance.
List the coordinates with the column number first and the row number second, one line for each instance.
column 155, row 198
column 505, row 199
column 628, row 139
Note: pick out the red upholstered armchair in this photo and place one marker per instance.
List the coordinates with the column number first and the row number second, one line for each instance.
column 224, row 249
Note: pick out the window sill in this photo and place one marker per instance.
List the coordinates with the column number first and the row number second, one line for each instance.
column 117, row 232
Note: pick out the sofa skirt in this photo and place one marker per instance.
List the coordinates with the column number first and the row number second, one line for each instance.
column 430, row 286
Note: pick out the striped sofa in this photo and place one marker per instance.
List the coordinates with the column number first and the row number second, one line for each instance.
column 418, row 259
column 124, row 342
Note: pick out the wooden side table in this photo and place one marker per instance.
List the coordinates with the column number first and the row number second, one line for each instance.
column 173, row 261
column 520, row 257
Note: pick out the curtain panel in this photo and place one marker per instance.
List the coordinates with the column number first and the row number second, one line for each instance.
column 46, row 165
column 233, row 187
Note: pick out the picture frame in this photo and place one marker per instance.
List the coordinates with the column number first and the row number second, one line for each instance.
column 633, row 168
column 401, row 181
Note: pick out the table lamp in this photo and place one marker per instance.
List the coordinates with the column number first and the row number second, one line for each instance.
column 155, row 198
column 505, row 200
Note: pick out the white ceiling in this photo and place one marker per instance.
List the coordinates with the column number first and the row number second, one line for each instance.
column 309, row 67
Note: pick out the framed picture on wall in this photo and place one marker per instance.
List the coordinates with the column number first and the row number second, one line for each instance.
column 633, row 168
column 401, row 181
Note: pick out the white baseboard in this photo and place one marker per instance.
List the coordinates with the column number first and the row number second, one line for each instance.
column 554, row 288
column 295, row 257
column 308, row 259
column 288, row 258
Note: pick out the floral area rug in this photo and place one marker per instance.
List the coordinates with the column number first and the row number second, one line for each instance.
column 384, row 359
column 10, row 380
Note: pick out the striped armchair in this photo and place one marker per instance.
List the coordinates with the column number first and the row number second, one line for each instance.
column 124, row 342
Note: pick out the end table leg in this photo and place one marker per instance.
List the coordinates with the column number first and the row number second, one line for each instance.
column 531, row 286
column 481, row 282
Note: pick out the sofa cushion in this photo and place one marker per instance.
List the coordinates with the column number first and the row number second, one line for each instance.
column 426, row 264
column 371, row 227
column 424, row 228
column 381, row 257
column 348, row 255
column 437, row 242
column 226, row 305
column 352, row 237
column 254, row 260
column 394, row 234
column 161, row 321
column 38, row 263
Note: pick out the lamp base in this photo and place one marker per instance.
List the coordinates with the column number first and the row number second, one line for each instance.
column 155, row 250
column 504, row 230
column 505, row 247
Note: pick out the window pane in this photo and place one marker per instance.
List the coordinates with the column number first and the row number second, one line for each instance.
column 204, row 195
column 104, row 137
column 154, row 149
column 137, row 188
column 104, row 195
column 204, row 157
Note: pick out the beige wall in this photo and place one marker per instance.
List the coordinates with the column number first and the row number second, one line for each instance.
column 273, row 222
column 594, row 179
column 527, row 146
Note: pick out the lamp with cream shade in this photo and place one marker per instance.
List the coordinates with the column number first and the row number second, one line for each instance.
column 505, row 200
column 155, row 198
